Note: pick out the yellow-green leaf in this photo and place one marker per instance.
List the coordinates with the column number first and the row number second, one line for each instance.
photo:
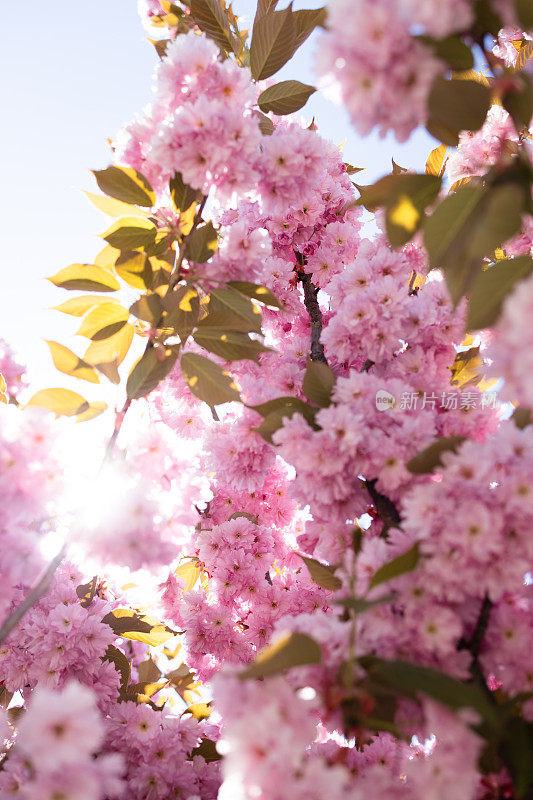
column 78, row 306
column 85, row 277
column 207, row 380
column 436, row 162
column 138, row 627
column 104, row 321
column 68, row 362
column 135, row 269
column 256, row 292
column 110, row 351
column 115, row 208
column 94, row 410
column 322, row 574
column 289, row 650
column 129, row 233
column 152, row 367
column 230, row 345
column 63, row 402
column 188, row 573
column 125, row 184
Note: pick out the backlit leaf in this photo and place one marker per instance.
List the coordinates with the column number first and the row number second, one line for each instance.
column 152, row 367
column 129, row 233
column 63, row 402
column 436, row 162
column 202, row 243
column 68, row 362
column 210, row 18
column 232, row 311
column 183, row 196
column 115, row 208
column 322, row 574
column 104, row 321
column 85, row 277
column 125, row 184
column 78, row 306
column 256, row 292
column 207, row 380
column 188, row 573
column 112, row 350
column 134, row 268
column 289, row 650
column 230, row 345
column 140, row 628
column 93, row 410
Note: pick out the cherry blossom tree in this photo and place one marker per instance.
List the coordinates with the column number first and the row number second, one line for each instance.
column 302, row 570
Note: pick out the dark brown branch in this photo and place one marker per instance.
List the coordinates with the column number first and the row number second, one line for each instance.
column 315, row 316
column 35, row 594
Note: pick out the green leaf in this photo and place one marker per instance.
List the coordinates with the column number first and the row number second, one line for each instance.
column 273, row 42
column 62, row 402
column 135, row 269
column 104, row 321
column 426, row 461
column 68, row 362
column 289, row 650
column 413, row 679
column 400, row 565
column 129, row 233
column 230, row 345
column 519, row 101
column 468, row 225
column 153, row 366
column 256, row 292
column 405, row 198
column 149, row 308
column 361, row 604
column 182, row 310
column 456, row 105
column 208, row 750
column 210, row 18
column 183, row 195
column 230, row 310
column 452, row 50
column 275, row 411
column 207, row 380
column 125, row 184
column 524, row 9
column 322, row 574
column 85, row 278
column 491, row 287
column 202, row 243
column 319, row 381
column 517, row 748
column 285, row 97
column 140, row 628
column 121, row 664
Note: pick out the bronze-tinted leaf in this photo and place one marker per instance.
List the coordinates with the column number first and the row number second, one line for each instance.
column 273, row 42
column 148, row 372
column 285, row 97
column 322, row 574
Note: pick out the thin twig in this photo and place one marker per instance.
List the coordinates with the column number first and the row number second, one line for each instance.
column 35, row 594
column 174, row 278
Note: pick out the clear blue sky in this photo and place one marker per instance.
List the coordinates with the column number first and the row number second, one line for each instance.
column 71, row 76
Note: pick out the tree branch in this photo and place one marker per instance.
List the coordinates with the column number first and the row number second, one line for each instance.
column 35, row 594
column 315, row 315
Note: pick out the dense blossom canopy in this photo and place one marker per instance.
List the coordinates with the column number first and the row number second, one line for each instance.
column 303, row 570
